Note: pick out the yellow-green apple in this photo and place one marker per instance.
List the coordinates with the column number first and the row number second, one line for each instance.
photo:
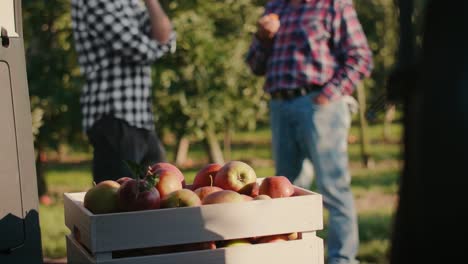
column 168, row 166
column 234, row 175
column 237, row 242
column 205, row 190
column 206, row 175
column 181, row 198
column 246, row 197
column 139, row 195
column 277, row 187
column 102, row 198
column 250, row 189
column 262, row 197
column 167, row 181
column 224, row 196
column 293, row 236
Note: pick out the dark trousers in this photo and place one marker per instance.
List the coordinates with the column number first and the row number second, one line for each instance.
column 115, row 141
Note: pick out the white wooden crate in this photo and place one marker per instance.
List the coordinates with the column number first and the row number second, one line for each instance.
column 95, row 237
column 308, row 250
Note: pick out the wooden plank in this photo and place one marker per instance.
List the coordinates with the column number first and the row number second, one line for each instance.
column 297, row 252
column 76, row 254
column 79, row 220
column 152, row 228
column 119, row 231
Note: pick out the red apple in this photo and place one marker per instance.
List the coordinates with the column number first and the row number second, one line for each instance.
column 234, row 175
column 137, row 196
column 250, row 189
column 205, row 190
column 224, row 196
column 168, row 166
column 102, row 198
column 277, row 187
column 272, row 239
column 168, row 181
column 206, row 175
column 123, row 179
column 181, row 198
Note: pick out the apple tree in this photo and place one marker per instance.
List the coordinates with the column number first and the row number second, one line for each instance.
column 205, row 88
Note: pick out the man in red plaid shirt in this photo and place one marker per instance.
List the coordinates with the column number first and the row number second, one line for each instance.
column 313, row 53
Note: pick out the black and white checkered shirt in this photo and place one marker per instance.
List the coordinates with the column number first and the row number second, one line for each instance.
column 115, row 51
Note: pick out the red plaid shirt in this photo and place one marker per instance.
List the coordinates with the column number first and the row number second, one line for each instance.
column 319, row 42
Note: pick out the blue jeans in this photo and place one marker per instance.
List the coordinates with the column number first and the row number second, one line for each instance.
column 302, row 130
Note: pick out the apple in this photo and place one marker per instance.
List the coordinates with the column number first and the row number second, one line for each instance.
column 168, row 166
column 194, row 246
column 139, row 195
column 293, row 236
column 205, row 190
column 123, row 179
column 250, row 189
column 181, row 198
column 272, row 239
column 206, row 175
column 277, row 187
column 102, row 198
column 246, row 197
column 262, row 197
column 224, row 196
column 237, row 242
column 168, row 181
column 234, row 175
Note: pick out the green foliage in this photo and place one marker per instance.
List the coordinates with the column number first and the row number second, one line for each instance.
column 380, row 23
column 206, row 84
column 53, row 74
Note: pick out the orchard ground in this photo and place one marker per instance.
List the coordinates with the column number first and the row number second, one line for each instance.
column 375, row 188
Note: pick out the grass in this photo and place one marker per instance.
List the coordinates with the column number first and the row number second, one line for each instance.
column 375, row 189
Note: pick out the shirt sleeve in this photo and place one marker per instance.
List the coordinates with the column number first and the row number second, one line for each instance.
column 124, row 34
column 258, row 55
column 352, row 52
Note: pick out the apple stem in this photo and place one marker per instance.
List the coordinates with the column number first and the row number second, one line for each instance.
column 211, row 180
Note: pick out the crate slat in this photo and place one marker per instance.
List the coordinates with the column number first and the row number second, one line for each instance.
column 305, row 251
column 152, row 228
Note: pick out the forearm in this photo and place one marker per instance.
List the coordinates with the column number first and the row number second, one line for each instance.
column 161, row 27
column 257, row 57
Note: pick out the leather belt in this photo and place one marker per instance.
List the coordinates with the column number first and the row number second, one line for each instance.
column 288, row 94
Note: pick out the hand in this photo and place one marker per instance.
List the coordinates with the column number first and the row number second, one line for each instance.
column 321, row 99
column 267, row 27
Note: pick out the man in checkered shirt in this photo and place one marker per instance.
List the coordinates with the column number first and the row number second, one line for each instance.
column 313, row 54
column 117, row 41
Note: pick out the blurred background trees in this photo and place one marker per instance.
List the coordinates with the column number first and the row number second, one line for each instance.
column 204, row 92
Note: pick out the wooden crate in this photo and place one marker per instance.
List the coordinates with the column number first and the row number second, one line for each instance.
column 96, row 238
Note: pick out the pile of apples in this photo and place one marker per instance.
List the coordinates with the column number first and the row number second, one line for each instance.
column 163, row 185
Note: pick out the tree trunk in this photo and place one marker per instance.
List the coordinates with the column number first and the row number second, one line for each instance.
column 227, row 141
column 215, row 154
column 41, row 183
column 388, row 119
column 366, row 159
column 183, row 146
